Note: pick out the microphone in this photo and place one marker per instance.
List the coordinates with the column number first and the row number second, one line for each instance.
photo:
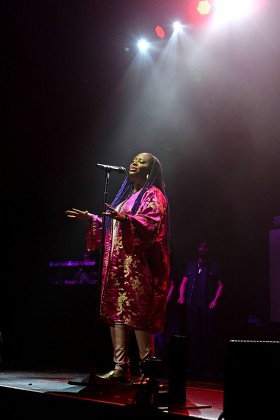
column 109, row 168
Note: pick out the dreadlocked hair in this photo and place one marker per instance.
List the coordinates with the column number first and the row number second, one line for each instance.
column 155, row 178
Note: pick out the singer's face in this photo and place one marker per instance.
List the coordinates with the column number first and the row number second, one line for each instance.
column 140, row 167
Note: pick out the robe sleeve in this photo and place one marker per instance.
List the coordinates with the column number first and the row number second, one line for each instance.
column 94, row 233
column 148, row 225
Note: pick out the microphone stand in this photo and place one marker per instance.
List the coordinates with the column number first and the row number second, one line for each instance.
column 91, row 378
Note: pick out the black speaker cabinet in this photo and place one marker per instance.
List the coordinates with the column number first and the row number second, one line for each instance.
column 251, row 380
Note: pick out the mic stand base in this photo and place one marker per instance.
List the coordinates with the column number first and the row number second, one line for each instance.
column 89, row 380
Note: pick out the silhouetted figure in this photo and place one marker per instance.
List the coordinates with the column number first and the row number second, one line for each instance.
column 201, row 287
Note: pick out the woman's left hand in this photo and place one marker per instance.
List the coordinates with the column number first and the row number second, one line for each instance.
column 113, row 213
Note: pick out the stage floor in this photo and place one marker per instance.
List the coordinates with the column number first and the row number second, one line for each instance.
column 38, row 393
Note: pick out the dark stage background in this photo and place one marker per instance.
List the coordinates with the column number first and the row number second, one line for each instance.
column 76, row 94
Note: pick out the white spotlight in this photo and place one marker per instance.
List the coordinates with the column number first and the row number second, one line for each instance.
column 142, row 45
column 177, row 26
column 228, row 9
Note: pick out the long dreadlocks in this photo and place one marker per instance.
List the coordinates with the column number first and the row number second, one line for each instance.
column 155, row 178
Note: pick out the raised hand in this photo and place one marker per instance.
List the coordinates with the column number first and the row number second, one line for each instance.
column 82, row 215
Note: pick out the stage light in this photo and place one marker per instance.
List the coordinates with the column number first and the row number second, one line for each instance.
column 228, row 9
column 143, row 45
column 159, row 32
column 204, row 7
column 200, row 11
column 177, row 26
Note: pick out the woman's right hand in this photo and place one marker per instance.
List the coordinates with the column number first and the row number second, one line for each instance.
column 84, row 216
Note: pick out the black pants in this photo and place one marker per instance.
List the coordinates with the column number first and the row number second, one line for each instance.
column 200, row 332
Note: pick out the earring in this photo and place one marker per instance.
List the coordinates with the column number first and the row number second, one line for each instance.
column 147, row 177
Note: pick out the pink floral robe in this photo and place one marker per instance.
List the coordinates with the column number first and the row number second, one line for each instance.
column 135, row 275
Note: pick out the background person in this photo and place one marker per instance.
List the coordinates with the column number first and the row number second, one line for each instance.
column 202, row 287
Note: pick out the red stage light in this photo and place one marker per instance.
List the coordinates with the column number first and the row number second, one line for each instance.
column 159, row 31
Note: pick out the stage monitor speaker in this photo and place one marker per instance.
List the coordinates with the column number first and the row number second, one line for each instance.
column 251, row 380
